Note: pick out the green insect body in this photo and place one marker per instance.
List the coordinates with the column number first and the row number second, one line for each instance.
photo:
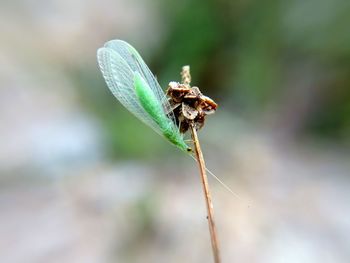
column 152, row 106
column 133, row 84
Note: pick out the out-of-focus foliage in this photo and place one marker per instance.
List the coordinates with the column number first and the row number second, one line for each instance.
column 288, row 60
column 256, row 54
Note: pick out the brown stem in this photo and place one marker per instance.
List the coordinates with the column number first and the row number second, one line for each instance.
column 186, row 75
column 207, row 195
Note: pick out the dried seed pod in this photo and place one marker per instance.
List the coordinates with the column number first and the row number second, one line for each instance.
column 177, row 91
column 207, row 105
column 189, row 112
column 194, row 105
column 194, row 93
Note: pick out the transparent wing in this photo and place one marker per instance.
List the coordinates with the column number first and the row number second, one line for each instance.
column 120, row 80
column 136, row 63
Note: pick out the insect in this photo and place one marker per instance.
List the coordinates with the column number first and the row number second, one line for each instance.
column 133, row 84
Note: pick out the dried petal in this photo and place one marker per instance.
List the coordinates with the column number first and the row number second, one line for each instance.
column 194, row 93
column 207, row 105
column 189, row 112
column 177, row 91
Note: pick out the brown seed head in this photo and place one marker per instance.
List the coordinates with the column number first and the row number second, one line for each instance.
column 194, row 105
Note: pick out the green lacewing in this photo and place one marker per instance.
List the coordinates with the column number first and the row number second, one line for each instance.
column 133, row 84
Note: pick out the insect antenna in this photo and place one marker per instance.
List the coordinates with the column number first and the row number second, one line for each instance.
column 220, row 181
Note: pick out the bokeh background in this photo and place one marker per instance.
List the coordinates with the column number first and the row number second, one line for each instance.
column 83, row 181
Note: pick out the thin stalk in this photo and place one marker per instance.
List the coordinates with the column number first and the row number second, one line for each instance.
column 207, row 196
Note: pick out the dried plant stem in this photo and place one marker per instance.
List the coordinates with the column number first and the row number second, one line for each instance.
column 185, row 75
column 207, row 196
column 186, row 79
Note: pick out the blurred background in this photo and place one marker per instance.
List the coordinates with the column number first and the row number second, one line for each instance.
column 83, row 181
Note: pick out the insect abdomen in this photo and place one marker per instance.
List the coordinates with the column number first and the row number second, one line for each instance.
column 152, row 106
